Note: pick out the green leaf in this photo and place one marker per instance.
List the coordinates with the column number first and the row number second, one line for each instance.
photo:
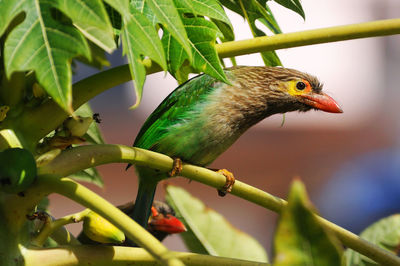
column 209, row 232
column 9, row 9
column 226, row 30
column 300, row 239
column 91, row 18
column 90, row 175
column 46, row 46
column 143, row 7
column 99, row 59
column 93, row 135
column 208, row 8
column 122, row 6
column 384, row 233
column 294, row 5
column 139, row 39
column 167, row 14
column 258, row 10
column 202, row 36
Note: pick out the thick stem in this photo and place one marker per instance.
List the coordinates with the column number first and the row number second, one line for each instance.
column 84, row 157
column 52, row 226
column 30, row 123
column 105, row 256
column 91, row 200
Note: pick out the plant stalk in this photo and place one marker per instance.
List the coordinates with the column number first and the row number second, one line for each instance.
column 89, row 199
column 30, row 123
column 83, row 157
column 105, row 256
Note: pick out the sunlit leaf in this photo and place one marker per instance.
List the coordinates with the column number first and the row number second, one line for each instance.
column 209, row 232
column 208, row 8
column 300, row 239
column 46, row 46
column 258, row 10
column 91, row 18
column 168, row 15
column 202, row 36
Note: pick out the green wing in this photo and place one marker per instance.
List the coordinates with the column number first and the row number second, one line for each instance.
column 173, row 109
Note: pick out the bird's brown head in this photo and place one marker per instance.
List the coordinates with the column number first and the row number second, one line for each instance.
column 288, row 89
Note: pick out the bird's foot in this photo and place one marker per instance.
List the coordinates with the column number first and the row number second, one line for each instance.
column 230, row 180
column 176, row 167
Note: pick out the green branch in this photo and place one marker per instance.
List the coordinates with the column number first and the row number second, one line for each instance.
column 89, row 199
column 309, row 37
column 84, row 157
column 30, row 124
column 51, row 227
column 105, row 256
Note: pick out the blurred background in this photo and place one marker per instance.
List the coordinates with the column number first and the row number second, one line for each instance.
column 349, row 162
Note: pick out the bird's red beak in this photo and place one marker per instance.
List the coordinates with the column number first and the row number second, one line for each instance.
column 168, row 224
column 322, row 102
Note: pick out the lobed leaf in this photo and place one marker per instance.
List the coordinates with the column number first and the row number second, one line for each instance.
column 209, row 232
column 42, row 44
column 384, row 233
column 257, row 10
column 169, row 17
column 202, row 37
column 300, row 239
column 90, row 17
column 139, row 39
column 294, row 5
column 208, row 8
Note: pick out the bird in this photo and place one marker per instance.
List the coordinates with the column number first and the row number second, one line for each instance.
column 161, row 223
column 204, row 116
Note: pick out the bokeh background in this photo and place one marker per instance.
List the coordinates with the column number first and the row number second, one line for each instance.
column 350, row 162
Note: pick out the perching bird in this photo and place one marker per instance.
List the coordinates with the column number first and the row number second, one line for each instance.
column 203, row 117
column 161, row 223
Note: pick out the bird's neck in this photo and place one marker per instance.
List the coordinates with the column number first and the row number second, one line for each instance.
column 241, row 107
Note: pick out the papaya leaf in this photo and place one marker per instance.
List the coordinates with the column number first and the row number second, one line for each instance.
column 90, row 175
column 208, row 8
column 384, row 233
column 9, row 9
column 300, row 239
column 226, row 30
column 90, row 17
column 202, row 36
column 258, row 10
column 139, row 40
column 42, row 44
column 144, row 8
column 294, row 5
column 169, row 17
column 209, row 232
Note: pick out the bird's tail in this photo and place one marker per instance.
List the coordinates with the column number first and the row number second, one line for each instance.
column 144, row 200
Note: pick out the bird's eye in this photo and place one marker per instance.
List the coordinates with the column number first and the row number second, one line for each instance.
column 300, row 85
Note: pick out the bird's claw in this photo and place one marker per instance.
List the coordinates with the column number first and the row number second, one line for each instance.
column 176, row 167
column 230, row 180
